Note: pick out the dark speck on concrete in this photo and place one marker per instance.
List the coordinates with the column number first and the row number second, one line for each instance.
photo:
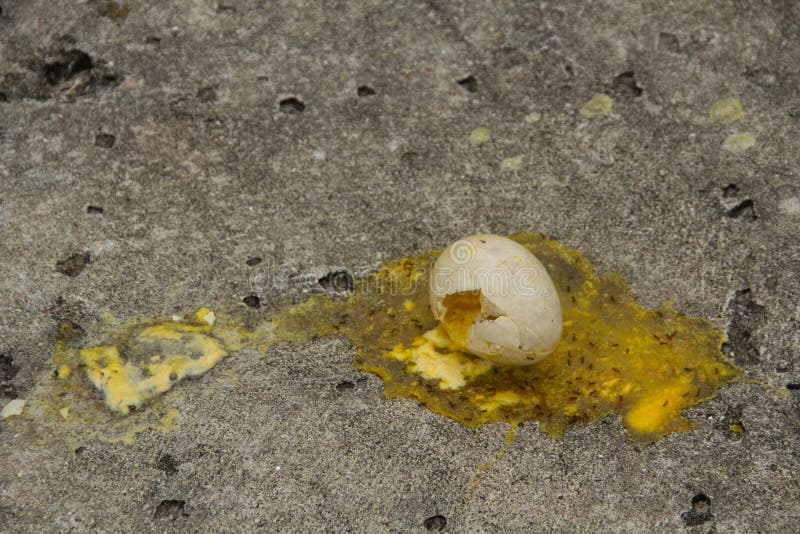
column 73, row 265
column 699, row 513
column 744, row 210
column 104, row 140
column 470, row 83
column 252, row 301
column 168, row 464
column 291, row 105
column 338, row 281
column 746, row 317
column 172, row 509
column 435, row 523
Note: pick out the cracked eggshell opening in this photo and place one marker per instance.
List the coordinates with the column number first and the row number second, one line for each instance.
column 520, row 321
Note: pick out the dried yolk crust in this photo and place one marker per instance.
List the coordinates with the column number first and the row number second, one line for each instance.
column 169, row 351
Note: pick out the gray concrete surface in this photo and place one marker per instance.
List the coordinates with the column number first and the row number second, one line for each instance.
column 207, row 169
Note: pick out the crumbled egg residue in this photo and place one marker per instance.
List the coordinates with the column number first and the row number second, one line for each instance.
column 167, row 352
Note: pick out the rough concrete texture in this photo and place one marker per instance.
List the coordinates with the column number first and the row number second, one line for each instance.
column 169, row 118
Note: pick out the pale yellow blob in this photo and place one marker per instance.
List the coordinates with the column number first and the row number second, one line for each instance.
column 63, row 371
column 511, row 164
column 478, row 136
column 432, row 357
column 409, row 305
column 184, row 348
column 64, row 412
column 739, row 142
column 532, row 118
column 599, row 105
column 726, row 111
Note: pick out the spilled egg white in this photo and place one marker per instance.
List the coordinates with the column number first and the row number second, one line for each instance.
column 520, row 321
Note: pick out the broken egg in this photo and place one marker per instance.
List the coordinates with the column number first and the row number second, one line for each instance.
column 495, row 299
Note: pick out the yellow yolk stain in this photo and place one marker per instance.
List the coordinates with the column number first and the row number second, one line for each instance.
column 726, row 111
column 615, row 357
column 174, row 350
column 599, row 105
column 738, row 142
column 512, row 163
column 478, row 136
column 431, row 357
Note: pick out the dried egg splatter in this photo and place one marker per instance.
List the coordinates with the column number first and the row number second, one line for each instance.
column 615, row 357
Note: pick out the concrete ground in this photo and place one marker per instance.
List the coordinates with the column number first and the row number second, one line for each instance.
column 173, row 141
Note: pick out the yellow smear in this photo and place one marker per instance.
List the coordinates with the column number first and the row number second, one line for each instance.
column 64, row 412
column 599, row 105
column 532, row 118
column 431, row 357
column 726, row 111
column 409, row 305
column 511, row 164
column 160, row 355
column 736, row 427
column 739, row 142
column 63, row 371
column 478, row 136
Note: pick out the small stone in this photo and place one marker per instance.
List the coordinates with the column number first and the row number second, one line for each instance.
column 13, row 408
column 790, row 206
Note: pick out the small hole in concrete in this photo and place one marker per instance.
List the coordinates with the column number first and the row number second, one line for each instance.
column 345, row 385
column 669, row 42
column 794, row 386
column 168, row 464
column 252, row 262
column 104, row 140
column 252, row 301
column 95, row 210
column 3, row 97
column 171, row 509
column 80, row 450
column 291, row 105
column 71, row 63
column 207, row 94
column 73, row 265
column 469, row 83
column 365, row 90
column 435, row 523
column 744, row 210
column 700, row 512
column 730, row 190
column 152, row 39
column 338, row 281
column 626, row 83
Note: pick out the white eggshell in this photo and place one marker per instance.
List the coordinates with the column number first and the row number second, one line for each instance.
column 520, row 319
